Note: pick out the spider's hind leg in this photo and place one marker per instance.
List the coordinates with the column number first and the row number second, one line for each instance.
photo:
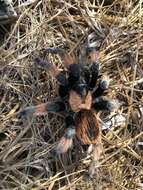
column 97, row 150
column 67, row 140
column 41, row 109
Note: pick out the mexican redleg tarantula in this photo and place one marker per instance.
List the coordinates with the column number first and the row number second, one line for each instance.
column 79, row 98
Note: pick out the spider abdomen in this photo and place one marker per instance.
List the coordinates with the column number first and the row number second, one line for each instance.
column 87, row 127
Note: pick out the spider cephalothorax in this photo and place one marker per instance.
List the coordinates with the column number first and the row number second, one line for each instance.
column 79, row 98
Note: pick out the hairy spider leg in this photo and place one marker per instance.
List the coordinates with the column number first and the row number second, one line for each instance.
column 97, row 150
column 41, row 109
column 100, row 102
column 53, row 70
column 56, row 73
column 67, row 140
column 103, row 103
column 102, row 87
column 82, row 56
column 65, row 57
column 69, row 63
column 94, row 68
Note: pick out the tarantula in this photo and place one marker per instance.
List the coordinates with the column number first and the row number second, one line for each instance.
column 79, row 98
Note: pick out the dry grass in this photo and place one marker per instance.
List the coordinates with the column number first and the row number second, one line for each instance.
column 25, row 158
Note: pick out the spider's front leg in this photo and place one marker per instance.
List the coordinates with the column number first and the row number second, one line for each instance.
column 65, row 57
column 69, row 63
column 56, row 73
column 51, row 68
column 41, row 109
column 94, row 71
column 94, row 67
